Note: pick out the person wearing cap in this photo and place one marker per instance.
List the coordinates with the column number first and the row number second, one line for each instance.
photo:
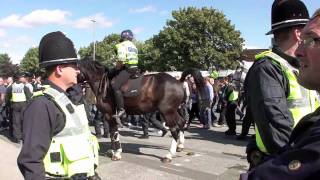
column 300, row 159
column 17, row 96
column 57, row 142
column 126, row 65
column 276, row 100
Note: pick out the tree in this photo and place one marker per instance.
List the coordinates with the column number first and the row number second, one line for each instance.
column 105, row 50
column 199, row 38
column 30, row 62
column 6, row 67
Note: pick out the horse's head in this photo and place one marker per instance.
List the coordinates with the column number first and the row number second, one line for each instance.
column 90, row 71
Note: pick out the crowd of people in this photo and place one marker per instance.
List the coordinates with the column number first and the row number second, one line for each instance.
column 279, row 96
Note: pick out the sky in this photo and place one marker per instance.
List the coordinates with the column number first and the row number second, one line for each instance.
column 23, row 23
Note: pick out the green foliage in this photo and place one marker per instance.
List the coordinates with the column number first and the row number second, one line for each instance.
column 30, row 62
column 105, row 50
column 199, row 38
column 6, row 67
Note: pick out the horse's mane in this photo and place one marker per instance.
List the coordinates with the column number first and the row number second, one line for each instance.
column 93, row 66
column 198, row 79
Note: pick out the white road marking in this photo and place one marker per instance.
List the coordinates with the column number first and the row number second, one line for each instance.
column 172, row 169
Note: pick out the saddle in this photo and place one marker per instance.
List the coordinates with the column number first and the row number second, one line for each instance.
column 132, row 87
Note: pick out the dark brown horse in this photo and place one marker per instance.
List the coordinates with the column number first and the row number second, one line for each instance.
column 158, row 92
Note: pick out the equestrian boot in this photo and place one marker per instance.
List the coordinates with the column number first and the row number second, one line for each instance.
column 120, row 104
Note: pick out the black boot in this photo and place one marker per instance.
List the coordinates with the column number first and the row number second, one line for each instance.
column 120, row 104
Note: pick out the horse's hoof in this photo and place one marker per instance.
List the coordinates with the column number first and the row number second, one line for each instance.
column 114, row 158
column 179, row 149
column 109, row 153
column 190, row 153
column 166, row 160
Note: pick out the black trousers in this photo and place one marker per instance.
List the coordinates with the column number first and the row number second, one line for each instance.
column 154, row 119
column 16, row 123
column 247, row 121
column 231, row 116
column 194, row 112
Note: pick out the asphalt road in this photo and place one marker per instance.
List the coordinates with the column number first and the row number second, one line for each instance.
column 208, row 154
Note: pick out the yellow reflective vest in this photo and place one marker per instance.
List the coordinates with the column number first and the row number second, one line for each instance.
column 127, row 53
column 18, row 94
column 300, row 101
column 233, row 96
column 73, row 150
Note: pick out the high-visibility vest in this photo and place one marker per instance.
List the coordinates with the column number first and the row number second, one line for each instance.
column 74, row 150
column 300, row 101
column 127, row 53
column 233, row 96
column 18, row 94
column 214, row 74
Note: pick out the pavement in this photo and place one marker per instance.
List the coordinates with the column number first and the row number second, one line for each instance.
column 208, row 154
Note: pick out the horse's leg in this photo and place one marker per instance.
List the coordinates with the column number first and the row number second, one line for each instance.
column 181, row 139
column 116, row 148
column 173, row 146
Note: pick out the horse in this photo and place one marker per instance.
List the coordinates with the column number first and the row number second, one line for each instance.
column 159, row 91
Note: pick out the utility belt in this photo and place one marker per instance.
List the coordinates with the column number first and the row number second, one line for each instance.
column 79, row 176
column 254, row 155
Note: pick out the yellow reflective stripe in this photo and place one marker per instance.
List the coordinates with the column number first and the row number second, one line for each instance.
column 261, row 55
column 259, row 142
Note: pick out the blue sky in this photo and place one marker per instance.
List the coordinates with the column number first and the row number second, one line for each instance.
column 23, row 23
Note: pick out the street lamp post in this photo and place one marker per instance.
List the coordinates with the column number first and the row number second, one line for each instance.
column 94, row 40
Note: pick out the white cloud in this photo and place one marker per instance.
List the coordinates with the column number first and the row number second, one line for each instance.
column 137, row 30
column 100, row 21
column 36, row 18
column 143, row 9
column 163, row 13
column 2, row 33
column 16, row 47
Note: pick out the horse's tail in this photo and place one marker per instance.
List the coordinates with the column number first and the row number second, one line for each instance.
column 198, row 79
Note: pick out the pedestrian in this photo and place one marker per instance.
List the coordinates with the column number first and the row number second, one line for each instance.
column 276, row 100
column 231, row 96
column 154, row 119
column 2, row 102
column 300, row 159
column 17, row 96
column 57, row 142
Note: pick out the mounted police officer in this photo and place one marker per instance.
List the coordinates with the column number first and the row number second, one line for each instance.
column 126, row 65
column 17, row 96
column 57, row 142
column 300, row 159
column 276, row 99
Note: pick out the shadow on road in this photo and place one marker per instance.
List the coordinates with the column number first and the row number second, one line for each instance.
column 214, row 136
column 130, row 148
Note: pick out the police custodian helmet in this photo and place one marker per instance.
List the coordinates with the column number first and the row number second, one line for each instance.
column 55, row 48
column 288, row 13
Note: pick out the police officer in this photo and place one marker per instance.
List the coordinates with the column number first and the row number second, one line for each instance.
column 17, row 96
column 57, row 142
column 276, row 99
column 300, row 159
column 127, row 65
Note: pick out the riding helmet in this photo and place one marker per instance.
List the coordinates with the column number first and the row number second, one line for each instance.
column 126, row 35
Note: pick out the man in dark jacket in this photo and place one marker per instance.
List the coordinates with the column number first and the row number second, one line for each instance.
column 54, row 127
column 300, row 159
column 276, row 100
